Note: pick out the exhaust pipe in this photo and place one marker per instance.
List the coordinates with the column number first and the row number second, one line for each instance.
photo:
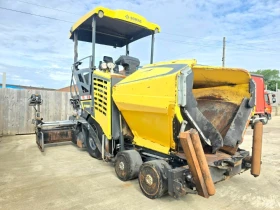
column 257, row 149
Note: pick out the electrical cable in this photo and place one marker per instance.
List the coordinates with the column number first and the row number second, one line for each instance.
column 38, row 5
column 27, row 13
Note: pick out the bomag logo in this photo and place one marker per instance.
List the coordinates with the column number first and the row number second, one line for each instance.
column 134, row 19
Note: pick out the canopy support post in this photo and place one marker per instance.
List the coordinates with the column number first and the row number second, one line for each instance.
column 93, row 41
column 75, row 46
column 92, row 63
column 127, row 49
column 152, row 47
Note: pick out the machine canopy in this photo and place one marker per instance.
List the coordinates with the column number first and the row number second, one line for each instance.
column 113, row 27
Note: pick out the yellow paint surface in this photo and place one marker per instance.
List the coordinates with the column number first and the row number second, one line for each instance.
column 124, row 15
column 147, row 99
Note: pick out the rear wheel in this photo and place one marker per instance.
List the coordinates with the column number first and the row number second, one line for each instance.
column 153, row 179
column 90, row 143
column 127, row 164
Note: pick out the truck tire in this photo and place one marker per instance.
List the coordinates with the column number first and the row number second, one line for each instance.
column 268, row 116
column 127, row 164
column 91, row 146
column 152, row 178
column 265, row 120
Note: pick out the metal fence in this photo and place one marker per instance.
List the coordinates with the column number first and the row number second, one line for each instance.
column 16, row 116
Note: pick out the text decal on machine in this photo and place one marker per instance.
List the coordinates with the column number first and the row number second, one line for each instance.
column 133, row 19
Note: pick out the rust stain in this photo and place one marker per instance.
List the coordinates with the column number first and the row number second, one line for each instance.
column 230, row 150
column 211, row 158
column 202, row 162
column 127, row 184
column 220, row 113
column 79, row 143
column 52, row 136
column 257, row 149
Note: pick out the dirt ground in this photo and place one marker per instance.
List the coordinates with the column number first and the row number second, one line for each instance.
column 66, row 177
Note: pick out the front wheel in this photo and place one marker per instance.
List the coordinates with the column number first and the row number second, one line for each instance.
column 268, row 116
column 265, row 120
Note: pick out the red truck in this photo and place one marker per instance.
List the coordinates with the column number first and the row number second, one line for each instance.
column 263, row 106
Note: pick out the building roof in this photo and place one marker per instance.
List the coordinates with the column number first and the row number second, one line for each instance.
column 19, row 87
column 66, row 89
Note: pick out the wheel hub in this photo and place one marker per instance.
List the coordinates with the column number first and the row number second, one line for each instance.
column 149, row 179
column 121, row 166
column 92, row 143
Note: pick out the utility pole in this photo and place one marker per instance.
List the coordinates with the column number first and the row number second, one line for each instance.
column 224, row 48
column 4, row 80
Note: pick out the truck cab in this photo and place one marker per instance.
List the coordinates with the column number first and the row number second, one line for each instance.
column 262, row 110
column 267, row 105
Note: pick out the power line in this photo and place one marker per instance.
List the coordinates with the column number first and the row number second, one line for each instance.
column 244, row 46
column 264, row 35
column 251, row 47
column 200, row 47
column 185, row 42
column 174, row 41
column 178, row 35
column 38, row 5
column 271, row 34
column 27, row 13
column 247, row 45
column 181, row 35
column 190, row 43
column 255, row 42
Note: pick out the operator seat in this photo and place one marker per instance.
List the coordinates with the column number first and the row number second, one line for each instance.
column 129, row 63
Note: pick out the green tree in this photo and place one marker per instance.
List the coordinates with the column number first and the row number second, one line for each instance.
column 271, row 77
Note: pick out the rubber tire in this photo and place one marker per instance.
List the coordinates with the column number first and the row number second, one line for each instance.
column 91, row 146
column 266, row 120
column 132, row 161
column 269, row 117
column 160, row 181
column 77, row 130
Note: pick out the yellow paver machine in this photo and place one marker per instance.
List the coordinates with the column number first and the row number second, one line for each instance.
column 175, row 125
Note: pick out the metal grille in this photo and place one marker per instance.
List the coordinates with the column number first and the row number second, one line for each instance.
column 100, row 95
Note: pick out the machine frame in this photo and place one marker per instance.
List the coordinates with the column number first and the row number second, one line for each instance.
column 95, row 27
column 99, row 124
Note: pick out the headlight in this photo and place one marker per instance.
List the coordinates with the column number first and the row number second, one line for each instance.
column 100, row 13
column 121, row 68
column 103, row 66
column 110, row 65
column 156, row 30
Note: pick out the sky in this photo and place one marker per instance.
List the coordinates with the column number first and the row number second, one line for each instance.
column 37, row 51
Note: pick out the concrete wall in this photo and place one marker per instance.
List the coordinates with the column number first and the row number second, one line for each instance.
column 275, row 111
